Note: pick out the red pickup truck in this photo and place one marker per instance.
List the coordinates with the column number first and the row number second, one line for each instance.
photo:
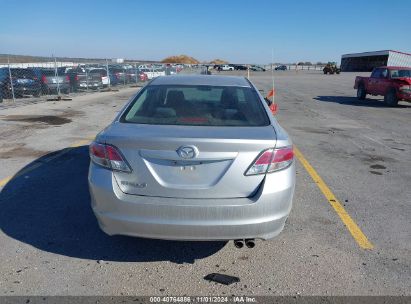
column 394, row 83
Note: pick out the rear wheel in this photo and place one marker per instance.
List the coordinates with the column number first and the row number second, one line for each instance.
column 390, row 98
column 7, row 93
column 361, row 93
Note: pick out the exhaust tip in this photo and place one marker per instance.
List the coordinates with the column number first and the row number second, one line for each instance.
column 250, row 243
column 238, row 244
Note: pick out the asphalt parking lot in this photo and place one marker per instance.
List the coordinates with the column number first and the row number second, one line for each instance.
column 51, row 244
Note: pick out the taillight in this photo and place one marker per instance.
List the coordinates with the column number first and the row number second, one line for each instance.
column 76, row 78
column 109, row 157
column 43, row 79
column 67, row 78
column 271, row 160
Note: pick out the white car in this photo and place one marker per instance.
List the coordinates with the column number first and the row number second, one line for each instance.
column 152, row 73
column 144, row 66
column 226, row 67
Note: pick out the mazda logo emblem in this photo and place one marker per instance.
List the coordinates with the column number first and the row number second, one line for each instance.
column 187, row 152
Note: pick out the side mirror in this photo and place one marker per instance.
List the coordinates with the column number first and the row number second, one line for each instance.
column 268, row 101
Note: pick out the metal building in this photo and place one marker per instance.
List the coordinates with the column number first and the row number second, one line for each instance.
column 364, row 62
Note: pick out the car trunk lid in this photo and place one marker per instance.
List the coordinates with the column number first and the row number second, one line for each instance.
column 157, row 157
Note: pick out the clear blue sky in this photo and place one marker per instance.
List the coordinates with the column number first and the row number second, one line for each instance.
column 237, row 30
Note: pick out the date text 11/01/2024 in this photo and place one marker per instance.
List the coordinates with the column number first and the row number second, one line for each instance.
column 203, row 299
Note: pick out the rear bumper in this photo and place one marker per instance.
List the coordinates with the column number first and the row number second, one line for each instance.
column 54, row 86
column 263, row 216
column 93, row 85
column 26, row 91
column 21, row 90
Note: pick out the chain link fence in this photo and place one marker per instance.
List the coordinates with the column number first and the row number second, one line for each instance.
column 58, row 79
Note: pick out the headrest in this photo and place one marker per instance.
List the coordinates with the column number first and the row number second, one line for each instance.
column 175, row 96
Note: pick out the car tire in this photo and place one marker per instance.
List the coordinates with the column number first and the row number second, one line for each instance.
column 390, row 98
column 7, row 94
column 37, row 94
column 325, row 72
column 361, row 93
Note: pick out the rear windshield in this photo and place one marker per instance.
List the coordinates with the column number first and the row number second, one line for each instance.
column 197, row 105
column 22, row 73
column 49, row 72
column 400, row 73
column 98, row 71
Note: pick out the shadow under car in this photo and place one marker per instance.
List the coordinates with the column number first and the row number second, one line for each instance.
column 354, row 101
column 49, row 208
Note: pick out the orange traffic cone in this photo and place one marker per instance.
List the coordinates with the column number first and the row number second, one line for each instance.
column 273, row 106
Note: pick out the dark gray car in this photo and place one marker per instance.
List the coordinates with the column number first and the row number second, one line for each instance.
column 52, row 82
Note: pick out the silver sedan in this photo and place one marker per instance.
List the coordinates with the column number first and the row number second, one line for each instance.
column 193, row 158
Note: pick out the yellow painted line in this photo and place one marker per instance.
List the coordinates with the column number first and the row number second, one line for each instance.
column 81, row 142
column 352, row 227
column 5, row 181
column 76, row 144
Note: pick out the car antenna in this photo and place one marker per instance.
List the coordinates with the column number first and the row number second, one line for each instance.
column 272, row 72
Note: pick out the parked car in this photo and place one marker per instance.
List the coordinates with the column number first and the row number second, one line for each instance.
column 82, row 79
column 170, row 70
column 193, row 158
column 257, row 68
column 64, row 70
column 158, row 66
column 240, row 67
column 281, row 68
column 153, row 73
column 106, row 80
column 136, row 75
column 120, row 74
column 51, row 81
column 394, row 83
column 24, row 82
column 144, row 66
column 225, row 67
